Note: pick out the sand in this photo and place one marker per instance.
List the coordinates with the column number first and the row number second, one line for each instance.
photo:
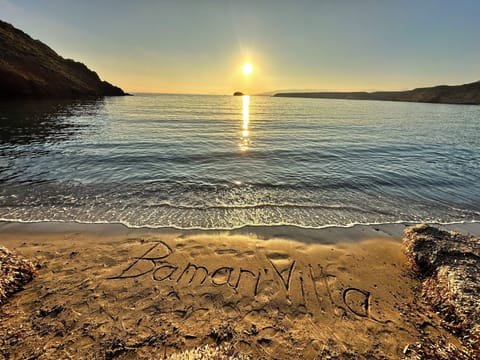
column 105, row 291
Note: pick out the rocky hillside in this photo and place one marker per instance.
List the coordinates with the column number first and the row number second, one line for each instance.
column 458, row 94
column 29, row 68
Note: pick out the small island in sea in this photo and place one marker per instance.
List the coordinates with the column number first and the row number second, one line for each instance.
column 29, row 68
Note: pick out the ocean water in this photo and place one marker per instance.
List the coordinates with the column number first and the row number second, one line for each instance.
column 222, row 162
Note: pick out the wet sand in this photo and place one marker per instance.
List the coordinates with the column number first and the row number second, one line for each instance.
column 106, row 291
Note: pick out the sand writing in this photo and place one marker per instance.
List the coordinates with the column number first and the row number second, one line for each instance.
column 305, row 284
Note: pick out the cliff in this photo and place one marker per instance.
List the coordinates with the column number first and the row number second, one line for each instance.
column 29, row 68
column 457, row 94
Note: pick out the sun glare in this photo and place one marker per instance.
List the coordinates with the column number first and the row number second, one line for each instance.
column 247, row 68
column 245, row 142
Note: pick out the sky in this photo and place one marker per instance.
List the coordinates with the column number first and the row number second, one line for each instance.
column 199, row 46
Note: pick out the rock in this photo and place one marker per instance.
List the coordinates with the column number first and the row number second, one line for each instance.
column 448, row 264
column 238, row 93
column 29, row 68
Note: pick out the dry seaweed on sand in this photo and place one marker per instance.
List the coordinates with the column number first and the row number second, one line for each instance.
column 15, row 271
column 448, row 264
column 217, row 352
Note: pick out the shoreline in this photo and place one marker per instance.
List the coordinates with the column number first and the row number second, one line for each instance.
column 281, row 292
column 324, row 235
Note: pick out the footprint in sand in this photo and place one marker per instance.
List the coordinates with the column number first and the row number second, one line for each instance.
column 226, row 251
column 234, row 252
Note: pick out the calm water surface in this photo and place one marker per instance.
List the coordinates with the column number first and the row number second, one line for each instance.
column 223, row 162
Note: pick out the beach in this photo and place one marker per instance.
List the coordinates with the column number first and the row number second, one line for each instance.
column 329, row 209
column 108, row 291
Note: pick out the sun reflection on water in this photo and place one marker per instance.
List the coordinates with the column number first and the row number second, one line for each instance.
column 245, row 139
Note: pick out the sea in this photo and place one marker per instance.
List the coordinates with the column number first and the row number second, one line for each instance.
column 224, row 162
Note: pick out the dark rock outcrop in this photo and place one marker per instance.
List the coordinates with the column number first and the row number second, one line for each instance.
column 238, row 93
column 448, row 265
column 29, row 68
column 467, row 94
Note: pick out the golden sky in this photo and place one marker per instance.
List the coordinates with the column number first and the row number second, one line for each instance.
column 201, row 46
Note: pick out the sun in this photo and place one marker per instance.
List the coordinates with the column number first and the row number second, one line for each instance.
column 247, row 69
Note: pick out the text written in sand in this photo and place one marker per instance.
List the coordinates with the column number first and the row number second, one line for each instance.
column 303, row 284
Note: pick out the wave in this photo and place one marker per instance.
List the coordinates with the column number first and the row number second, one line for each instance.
column 238, row 227
column 254, row 206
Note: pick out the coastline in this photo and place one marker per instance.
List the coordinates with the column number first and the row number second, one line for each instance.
column 281, row 292
column 325, row 234
column 465, row 94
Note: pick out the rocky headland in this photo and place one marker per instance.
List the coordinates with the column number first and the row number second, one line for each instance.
column 29, row 68
column 466, row 94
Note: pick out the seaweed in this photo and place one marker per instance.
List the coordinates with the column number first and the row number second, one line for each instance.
column 15, row 271
column 447, row 264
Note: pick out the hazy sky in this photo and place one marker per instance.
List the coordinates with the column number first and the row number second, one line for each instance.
column 199, row 46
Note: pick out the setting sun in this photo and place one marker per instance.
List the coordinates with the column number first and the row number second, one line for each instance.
column 247, row 69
